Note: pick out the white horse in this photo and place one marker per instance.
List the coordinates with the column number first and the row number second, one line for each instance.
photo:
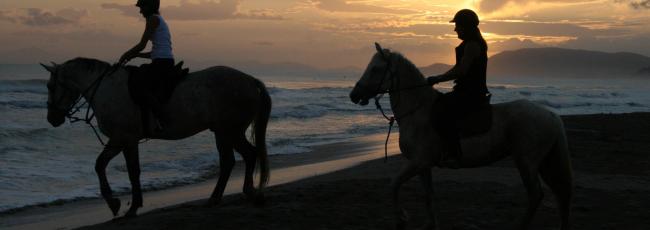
column 221, row 99
column 531, row 134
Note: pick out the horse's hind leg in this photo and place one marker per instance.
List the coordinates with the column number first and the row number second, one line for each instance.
column 109, row 152
column 247, row 150
column 133, row 166
column 556, row 173
column 530, row 177
column 226, row 163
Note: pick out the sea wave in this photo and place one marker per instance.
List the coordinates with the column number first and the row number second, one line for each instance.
column 36, row 86
column 24, row 104
column 576, row 104
column 22, row 133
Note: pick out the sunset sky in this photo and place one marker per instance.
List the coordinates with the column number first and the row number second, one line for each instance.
column 320, row 33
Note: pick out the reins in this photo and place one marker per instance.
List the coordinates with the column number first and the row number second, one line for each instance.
column 76, row 107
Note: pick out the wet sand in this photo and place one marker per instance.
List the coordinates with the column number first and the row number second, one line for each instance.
column 611, row 162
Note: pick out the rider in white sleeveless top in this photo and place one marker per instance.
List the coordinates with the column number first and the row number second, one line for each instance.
column 161, row 40
column 162, row 58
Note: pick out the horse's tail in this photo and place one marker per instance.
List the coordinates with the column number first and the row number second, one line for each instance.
column 258, row 132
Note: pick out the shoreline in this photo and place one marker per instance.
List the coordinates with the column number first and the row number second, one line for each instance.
column 285, row 159
column 286, row 168
column 343, row 181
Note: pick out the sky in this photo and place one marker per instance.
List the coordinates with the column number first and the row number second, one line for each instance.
column 320, row 33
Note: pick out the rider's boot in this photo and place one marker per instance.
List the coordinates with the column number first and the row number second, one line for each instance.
column 158, row 115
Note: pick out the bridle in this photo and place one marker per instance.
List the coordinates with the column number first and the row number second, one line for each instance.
column 393, row 88
column 77, row 105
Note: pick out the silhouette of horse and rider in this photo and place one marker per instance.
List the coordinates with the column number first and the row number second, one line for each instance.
column 162, row 101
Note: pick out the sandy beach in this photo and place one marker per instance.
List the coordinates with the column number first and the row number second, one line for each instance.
column 345, row 186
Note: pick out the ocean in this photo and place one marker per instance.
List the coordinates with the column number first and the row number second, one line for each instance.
column 40, row 164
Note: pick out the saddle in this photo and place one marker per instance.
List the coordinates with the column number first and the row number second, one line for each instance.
column 161, row 86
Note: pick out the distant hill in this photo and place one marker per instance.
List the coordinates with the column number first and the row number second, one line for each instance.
column 434, row 69
column 279, row 69
column 557, row 62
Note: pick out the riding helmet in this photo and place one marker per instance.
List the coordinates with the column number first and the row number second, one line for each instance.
column 466, row 18
column 155, row 4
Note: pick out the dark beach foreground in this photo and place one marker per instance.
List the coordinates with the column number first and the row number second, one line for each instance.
column 611, row 164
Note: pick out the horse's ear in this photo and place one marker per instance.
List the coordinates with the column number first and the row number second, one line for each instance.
column 50, row 69
column 378, row 47
column 381, row 50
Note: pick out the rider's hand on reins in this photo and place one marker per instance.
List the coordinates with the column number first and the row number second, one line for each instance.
column 433, row 80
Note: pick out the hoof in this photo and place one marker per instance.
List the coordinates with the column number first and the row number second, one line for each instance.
column 114, row 204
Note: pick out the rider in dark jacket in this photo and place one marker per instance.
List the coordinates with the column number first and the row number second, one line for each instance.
column 469, row 75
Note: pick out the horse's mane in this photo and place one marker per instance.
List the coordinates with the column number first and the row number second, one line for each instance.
column 88, row 64
column 406, row 62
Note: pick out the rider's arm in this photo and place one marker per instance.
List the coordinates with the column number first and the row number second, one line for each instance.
column 152, row 24
column 472, row 50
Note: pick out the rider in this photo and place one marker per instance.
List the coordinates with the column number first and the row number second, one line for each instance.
column 162, row 59
column 469, row 75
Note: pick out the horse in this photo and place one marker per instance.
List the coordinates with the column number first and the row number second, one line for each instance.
column 221, row 99
column 531, row 134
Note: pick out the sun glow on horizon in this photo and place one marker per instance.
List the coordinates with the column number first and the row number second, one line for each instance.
column 321, row 33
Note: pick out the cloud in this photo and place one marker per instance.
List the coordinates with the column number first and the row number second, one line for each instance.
column 641, row 4
column 489, row 6
column 352, row 6
column 40, row 17
column 204, row 10
column 637, row 4
column 126, row 10
column 545, row 29
column 513, row 44
column 492, row 5
column 537, row 29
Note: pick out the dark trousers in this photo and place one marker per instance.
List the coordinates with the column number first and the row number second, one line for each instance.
column 456, row 105
column 154, row 78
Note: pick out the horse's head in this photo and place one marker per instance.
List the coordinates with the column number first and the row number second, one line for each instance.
column 376, row 78
column 61, row 95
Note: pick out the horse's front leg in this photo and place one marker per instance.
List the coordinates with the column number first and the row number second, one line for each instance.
column 132, row 158
column 109, row 152
column 404, row 175
column 427, row 185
